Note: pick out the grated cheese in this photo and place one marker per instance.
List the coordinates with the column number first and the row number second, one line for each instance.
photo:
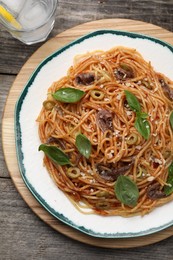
column 118, row 97
column 129, row 113
column 151, row 178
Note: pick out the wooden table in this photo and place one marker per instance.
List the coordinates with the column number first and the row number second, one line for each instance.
column 22, row 234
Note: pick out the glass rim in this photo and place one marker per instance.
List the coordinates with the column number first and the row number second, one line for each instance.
column 12, row 29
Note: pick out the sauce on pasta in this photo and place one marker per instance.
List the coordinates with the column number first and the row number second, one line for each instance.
column 106, row 130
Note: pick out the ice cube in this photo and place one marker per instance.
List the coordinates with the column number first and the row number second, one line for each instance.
column 14, row 6
column 33, row 15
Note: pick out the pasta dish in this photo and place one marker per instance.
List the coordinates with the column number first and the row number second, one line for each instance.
column 106, row 130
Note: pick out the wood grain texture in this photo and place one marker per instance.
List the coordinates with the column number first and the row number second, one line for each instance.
column 29, row 238
column 22, row 234
column 71, row 13
column 8, row 127
column 5, row 84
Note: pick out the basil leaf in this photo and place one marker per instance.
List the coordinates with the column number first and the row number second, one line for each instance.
column 68, row 95
column 83, row 145
column 142, row 115
column 132, row 101
column 171, row 120
column 169, row 189
column 126, row 191
column 143, row 127
column 56, row 155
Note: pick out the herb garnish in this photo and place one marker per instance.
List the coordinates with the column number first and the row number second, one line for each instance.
column 143, row 127
column 126, row 191
column 83, row 145
column 168, row 189
column 56, row 155
column 132, row 101
column 68, row 95
column 141, row 123
column 171, row 120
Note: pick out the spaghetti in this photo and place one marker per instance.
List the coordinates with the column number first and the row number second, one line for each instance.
column 106, row 132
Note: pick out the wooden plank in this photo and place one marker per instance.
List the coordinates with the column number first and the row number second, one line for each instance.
column 23, row 236
column 13, row 53
column 5, row 84
column 8, row 127
column 159, row 13
column 23, row 226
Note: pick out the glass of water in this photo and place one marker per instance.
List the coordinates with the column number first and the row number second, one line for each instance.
column 30, row 21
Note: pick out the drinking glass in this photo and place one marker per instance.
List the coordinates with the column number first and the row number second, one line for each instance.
column 30, row 21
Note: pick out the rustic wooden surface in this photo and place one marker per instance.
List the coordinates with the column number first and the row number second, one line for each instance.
column 8, row 135
column 22, row 234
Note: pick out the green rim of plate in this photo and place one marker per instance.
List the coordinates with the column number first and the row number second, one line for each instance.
column 18, row 139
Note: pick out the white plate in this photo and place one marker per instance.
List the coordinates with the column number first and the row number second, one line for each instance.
column 30, row 160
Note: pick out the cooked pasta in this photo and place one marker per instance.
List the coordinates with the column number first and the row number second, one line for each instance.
column 106, row 132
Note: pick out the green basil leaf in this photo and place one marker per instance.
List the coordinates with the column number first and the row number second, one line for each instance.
column 171, row 120
column 126, row 191
column 68, row 95
column 142, row 115
column 143, row 127
column 83, row 145
column 132, row 101
column 169, row 189
column 56, row 155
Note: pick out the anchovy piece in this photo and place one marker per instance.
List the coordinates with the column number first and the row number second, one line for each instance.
column 124, row 72
column 85, row 78
column 57, row 141
column 111, row 173
column 104, row 120
column 154, row 191
column 166, row 89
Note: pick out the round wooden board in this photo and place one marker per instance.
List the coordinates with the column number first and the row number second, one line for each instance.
column 8, row 138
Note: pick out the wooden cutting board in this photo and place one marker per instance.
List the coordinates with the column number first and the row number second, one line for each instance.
column 8, row 138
